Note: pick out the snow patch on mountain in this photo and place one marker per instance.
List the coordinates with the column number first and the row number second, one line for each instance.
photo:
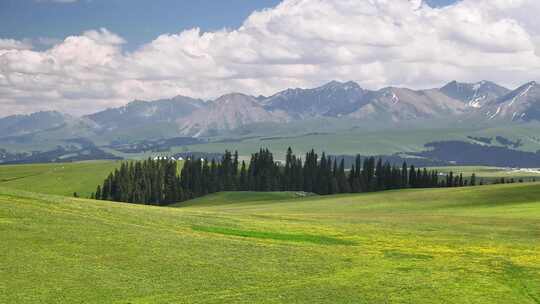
column 496, row 113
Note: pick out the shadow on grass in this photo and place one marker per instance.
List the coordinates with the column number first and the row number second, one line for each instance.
column 300, row 238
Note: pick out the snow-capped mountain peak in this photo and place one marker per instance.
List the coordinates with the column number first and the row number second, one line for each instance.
column 521, row 104
column 474, row 95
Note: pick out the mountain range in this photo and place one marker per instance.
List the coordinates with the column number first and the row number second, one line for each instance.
column 186, row 116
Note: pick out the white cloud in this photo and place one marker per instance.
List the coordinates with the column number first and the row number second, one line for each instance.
column 298, row 43
column 47, row 41
column 12, row 44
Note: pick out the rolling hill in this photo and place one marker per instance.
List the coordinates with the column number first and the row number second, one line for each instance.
column 57, row 178
column 468, row 245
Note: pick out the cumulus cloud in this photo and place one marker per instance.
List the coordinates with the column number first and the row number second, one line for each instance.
column 299, row 43
column 12, row 44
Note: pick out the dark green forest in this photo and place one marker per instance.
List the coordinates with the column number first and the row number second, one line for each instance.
column 158, row 182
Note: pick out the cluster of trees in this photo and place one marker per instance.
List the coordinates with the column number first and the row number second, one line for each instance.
column 157, row 182
column 152, row 182
column 503, row 180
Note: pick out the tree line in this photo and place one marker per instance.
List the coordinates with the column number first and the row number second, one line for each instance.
column 158, row 182
column 152, row 182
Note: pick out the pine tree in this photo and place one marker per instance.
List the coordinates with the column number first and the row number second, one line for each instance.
column 412, row 177
column 450, row 179
column 322, row 176
column 404, row 176
column 310, row 171
column 287, row 172
column 235, row 164
column 343, row 183
column 243, row 185
column 379, row 175
column 473, row 180
column 158, row 182
column 205, row 177
column 297, row 175
column 98, row 193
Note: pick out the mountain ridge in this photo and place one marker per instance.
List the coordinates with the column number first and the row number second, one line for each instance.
column 522, row 103
column 187, row 116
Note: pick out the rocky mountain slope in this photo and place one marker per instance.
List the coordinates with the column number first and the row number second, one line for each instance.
column 333, row 99
column 17, row 125
column 139, row 113
column 400, row 104
column 185, row 116
column 475, row 95
column 522, row 104
column 227, row 113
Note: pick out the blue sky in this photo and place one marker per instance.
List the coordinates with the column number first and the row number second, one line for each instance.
column 137, row 21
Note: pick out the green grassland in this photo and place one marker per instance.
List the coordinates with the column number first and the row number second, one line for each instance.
column 461, row 245
column 57, row 178
column 345, row 142
column 490, row 174
column 83, row 177
column 366, row 141
column 332, row 135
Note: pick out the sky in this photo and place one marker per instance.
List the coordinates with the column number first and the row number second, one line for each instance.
column 137, row 21
column 80, row 56
column 45, row 22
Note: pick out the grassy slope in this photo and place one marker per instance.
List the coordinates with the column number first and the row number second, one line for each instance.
column 369, row 142
column 342, row 142
column 469, row 245
column 334, row 136
column 489, row 174
column 83, row 177
column 57, row 178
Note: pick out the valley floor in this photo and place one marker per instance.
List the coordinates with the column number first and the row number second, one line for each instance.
column 465, row 245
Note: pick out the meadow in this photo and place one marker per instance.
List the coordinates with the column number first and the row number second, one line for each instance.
column 57, row 178
column 460, row 245
column 491, row 174
column 83, row 177
column 352, row 139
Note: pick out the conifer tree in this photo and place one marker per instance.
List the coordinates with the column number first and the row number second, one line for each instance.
column 98, row 193
column 412, row 177
column 158, row 182
column 343, row 183
column 243, row 183
column 450, row 179
column 404, row 176
column 379, row 175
